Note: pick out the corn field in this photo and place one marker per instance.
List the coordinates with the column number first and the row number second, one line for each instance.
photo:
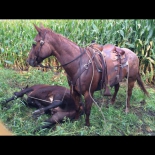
column 16, row 38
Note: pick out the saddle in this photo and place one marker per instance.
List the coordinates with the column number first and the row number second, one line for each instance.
column 110, row 62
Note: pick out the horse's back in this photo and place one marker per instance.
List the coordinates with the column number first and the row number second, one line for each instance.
column 131, row 56
column 133, row 61
column 128, row 51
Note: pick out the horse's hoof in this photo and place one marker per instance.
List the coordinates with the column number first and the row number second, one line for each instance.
column 38, row 112
column 107, row 106
column 112, row 102
column 143, row 102
column 87, row 124
column 35, row 116
column 76, row 118
column 36, row 130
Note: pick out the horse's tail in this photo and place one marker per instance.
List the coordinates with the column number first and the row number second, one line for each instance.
column 141, row 84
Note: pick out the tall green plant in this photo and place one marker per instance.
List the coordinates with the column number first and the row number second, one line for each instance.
column 16, row 37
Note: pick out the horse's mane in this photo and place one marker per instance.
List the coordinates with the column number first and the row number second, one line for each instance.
column 61, row 37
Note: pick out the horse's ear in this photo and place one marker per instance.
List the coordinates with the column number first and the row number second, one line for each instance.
column 25, row 87
column 37, row 28
column 41, row 25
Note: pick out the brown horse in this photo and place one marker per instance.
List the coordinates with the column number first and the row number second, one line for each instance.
column 85, row 73
column 49, row 99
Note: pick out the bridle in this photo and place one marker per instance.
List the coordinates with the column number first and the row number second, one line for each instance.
column 42, row 43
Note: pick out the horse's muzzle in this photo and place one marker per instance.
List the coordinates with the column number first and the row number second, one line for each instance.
column 32, row 63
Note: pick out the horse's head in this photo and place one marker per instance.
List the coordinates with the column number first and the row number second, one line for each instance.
column 41, row 49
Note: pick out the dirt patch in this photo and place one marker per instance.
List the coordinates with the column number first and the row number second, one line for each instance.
column 4, row 130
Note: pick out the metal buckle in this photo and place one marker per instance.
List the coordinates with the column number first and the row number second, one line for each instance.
column 42, row 42
column 125, row 64
column 86, row 66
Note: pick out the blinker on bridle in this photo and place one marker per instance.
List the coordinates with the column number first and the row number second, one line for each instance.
column 42, row 42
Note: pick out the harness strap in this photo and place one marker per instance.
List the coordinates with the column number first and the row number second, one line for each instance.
column 104, row 71
column 63, row 64
column 103, row 66
column 80, row 78
column 85, row 67
column 42, row 43
column 104, row 75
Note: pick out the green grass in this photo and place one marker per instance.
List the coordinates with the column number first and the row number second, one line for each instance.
column 114, row 121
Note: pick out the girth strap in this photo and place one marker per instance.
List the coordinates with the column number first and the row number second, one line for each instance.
column 102, row 68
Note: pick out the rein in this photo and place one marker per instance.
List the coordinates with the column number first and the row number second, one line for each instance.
column 63, row 64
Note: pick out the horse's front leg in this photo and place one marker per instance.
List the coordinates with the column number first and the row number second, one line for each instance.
column 76, row 98
column 88, row 105
column 115, row 93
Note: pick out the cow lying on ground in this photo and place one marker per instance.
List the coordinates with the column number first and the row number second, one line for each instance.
column 49, row 99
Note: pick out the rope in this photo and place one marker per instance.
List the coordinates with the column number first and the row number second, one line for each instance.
column 90, row 92
column 127, row 87
column 49, row 101
column 63, row 64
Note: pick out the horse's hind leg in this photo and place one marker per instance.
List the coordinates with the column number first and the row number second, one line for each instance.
column 130, row 87
column 115, row 93
column 49, row 123
column 56, row 118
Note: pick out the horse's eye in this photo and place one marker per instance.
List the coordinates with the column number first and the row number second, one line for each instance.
column 33, row 45
column 34, row 42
